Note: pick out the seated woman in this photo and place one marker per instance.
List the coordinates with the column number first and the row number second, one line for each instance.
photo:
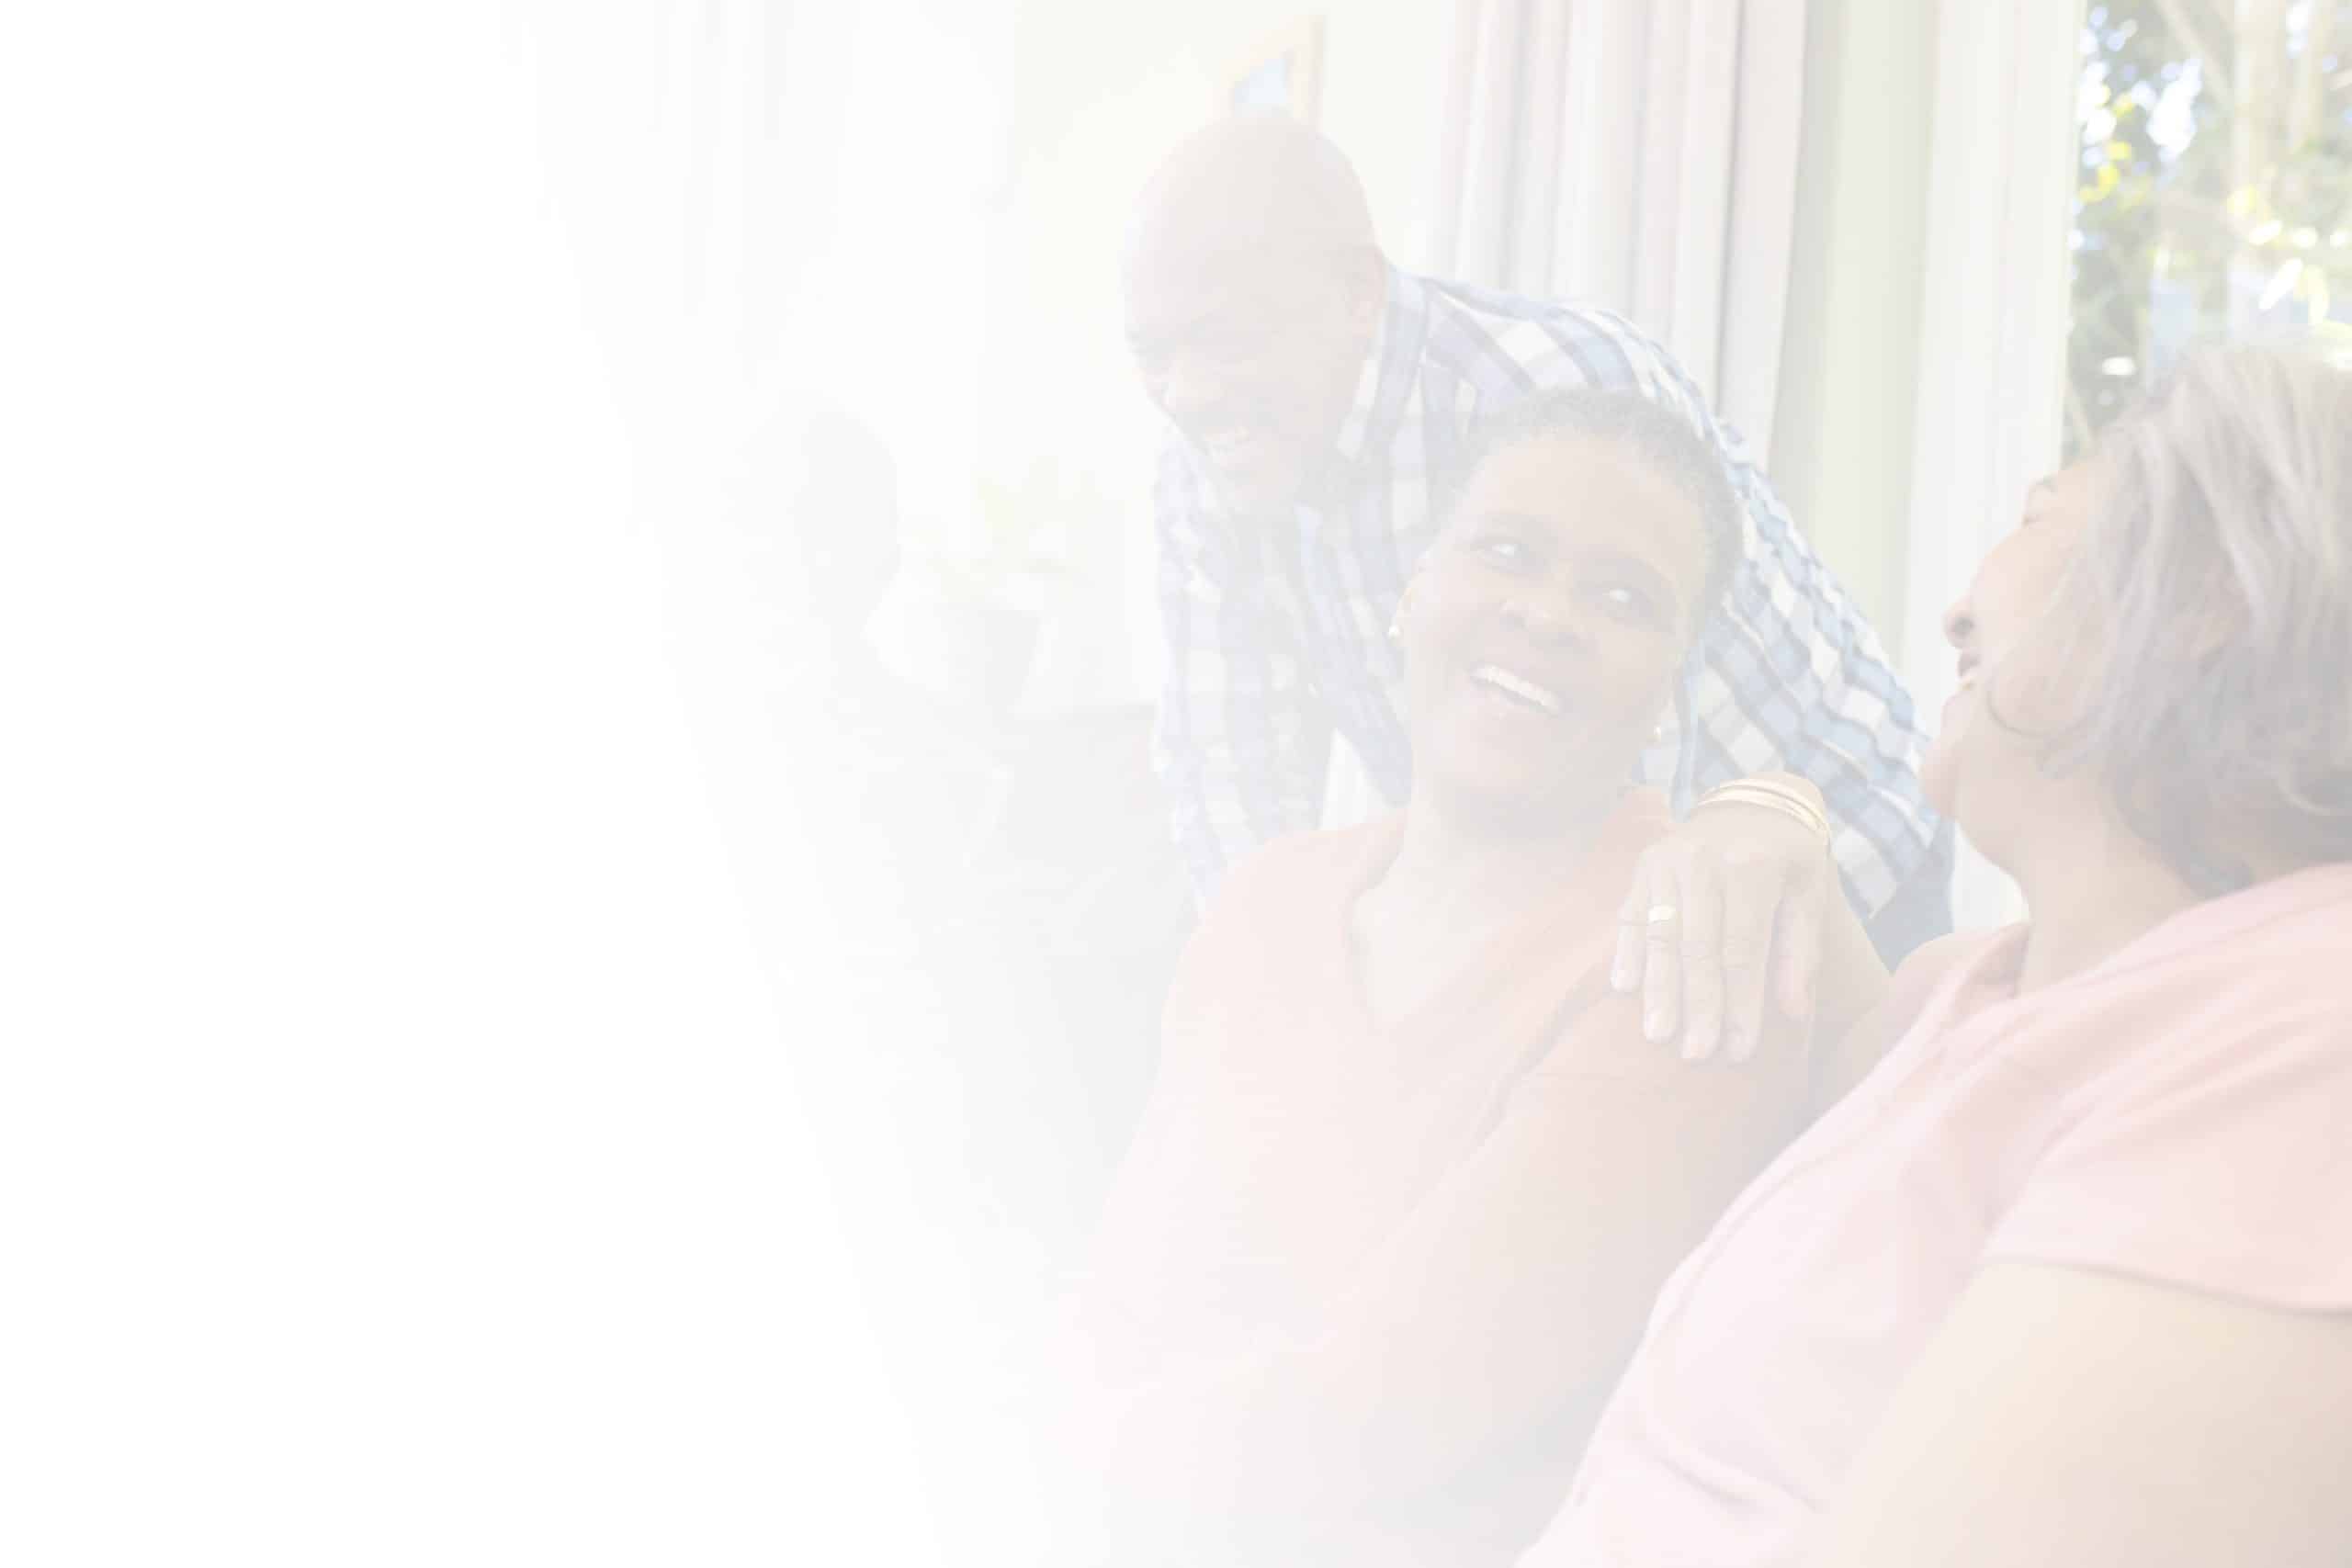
column 2068, row 1278
column 1411, row 1175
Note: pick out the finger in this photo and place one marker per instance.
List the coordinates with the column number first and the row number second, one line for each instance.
column 1751, row 895
column 1661, row 961
column 1702, row 953
column 1799, row 947
column 1625, row 966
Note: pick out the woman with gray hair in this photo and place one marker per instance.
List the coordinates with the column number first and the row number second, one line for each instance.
column 2068, row 1277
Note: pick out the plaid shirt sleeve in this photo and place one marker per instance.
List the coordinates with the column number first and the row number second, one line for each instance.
column 1231, row 742
column 1788, row 674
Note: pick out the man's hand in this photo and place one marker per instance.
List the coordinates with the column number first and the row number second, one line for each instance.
column 1732, row 904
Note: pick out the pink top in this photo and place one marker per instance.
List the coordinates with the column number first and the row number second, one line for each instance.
column 1377, row 1278
column 2181, row 1113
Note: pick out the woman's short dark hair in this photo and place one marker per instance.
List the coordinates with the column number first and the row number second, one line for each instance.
column 1657, row 435
column 2214, row 590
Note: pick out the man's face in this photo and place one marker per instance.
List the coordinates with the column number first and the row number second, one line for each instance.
column 1254, row 356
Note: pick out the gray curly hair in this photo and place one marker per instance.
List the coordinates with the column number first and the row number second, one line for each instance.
column 2217, row 570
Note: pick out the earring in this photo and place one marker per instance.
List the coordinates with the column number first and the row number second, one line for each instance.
column 1396, row 621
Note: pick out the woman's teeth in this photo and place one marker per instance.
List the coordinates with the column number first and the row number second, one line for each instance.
column 1518, row 686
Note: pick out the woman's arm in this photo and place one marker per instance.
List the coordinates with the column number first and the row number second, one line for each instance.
column 1517, row 1286
column 2063, row 1416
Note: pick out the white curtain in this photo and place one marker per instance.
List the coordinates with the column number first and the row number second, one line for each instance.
column 1636, row 154
column 1993, row 351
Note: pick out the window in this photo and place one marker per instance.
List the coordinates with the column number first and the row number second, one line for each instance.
column 2215, row 193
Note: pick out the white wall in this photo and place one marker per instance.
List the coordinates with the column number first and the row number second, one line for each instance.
column 882, row 294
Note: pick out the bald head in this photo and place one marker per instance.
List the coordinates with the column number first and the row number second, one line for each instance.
column 1254, row 287
column 1258, row 179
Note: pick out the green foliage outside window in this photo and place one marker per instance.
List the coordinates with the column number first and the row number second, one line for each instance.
column 2215, row 191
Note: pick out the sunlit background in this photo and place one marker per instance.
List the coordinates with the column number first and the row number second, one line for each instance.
column 409, row 419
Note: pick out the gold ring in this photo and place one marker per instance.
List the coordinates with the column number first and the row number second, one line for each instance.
column 1662, row 913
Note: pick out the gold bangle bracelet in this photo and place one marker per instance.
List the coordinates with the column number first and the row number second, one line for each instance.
column 1767, row 784
column 1762, row 792
column 1769, row 797
column 1777, row 791
column 1811, row 823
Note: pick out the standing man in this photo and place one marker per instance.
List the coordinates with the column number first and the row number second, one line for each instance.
column 1316, row 395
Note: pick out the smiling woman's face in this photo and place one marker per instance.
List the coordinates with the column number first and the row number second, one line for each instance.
column 1544, row 627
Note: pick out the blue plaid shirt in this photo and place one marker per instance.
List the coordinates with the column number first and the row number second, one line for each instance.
column 1275, row 632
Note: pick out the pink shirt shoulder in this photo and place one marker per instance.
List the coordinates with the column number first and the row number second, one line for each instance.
column 2178, row 1113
